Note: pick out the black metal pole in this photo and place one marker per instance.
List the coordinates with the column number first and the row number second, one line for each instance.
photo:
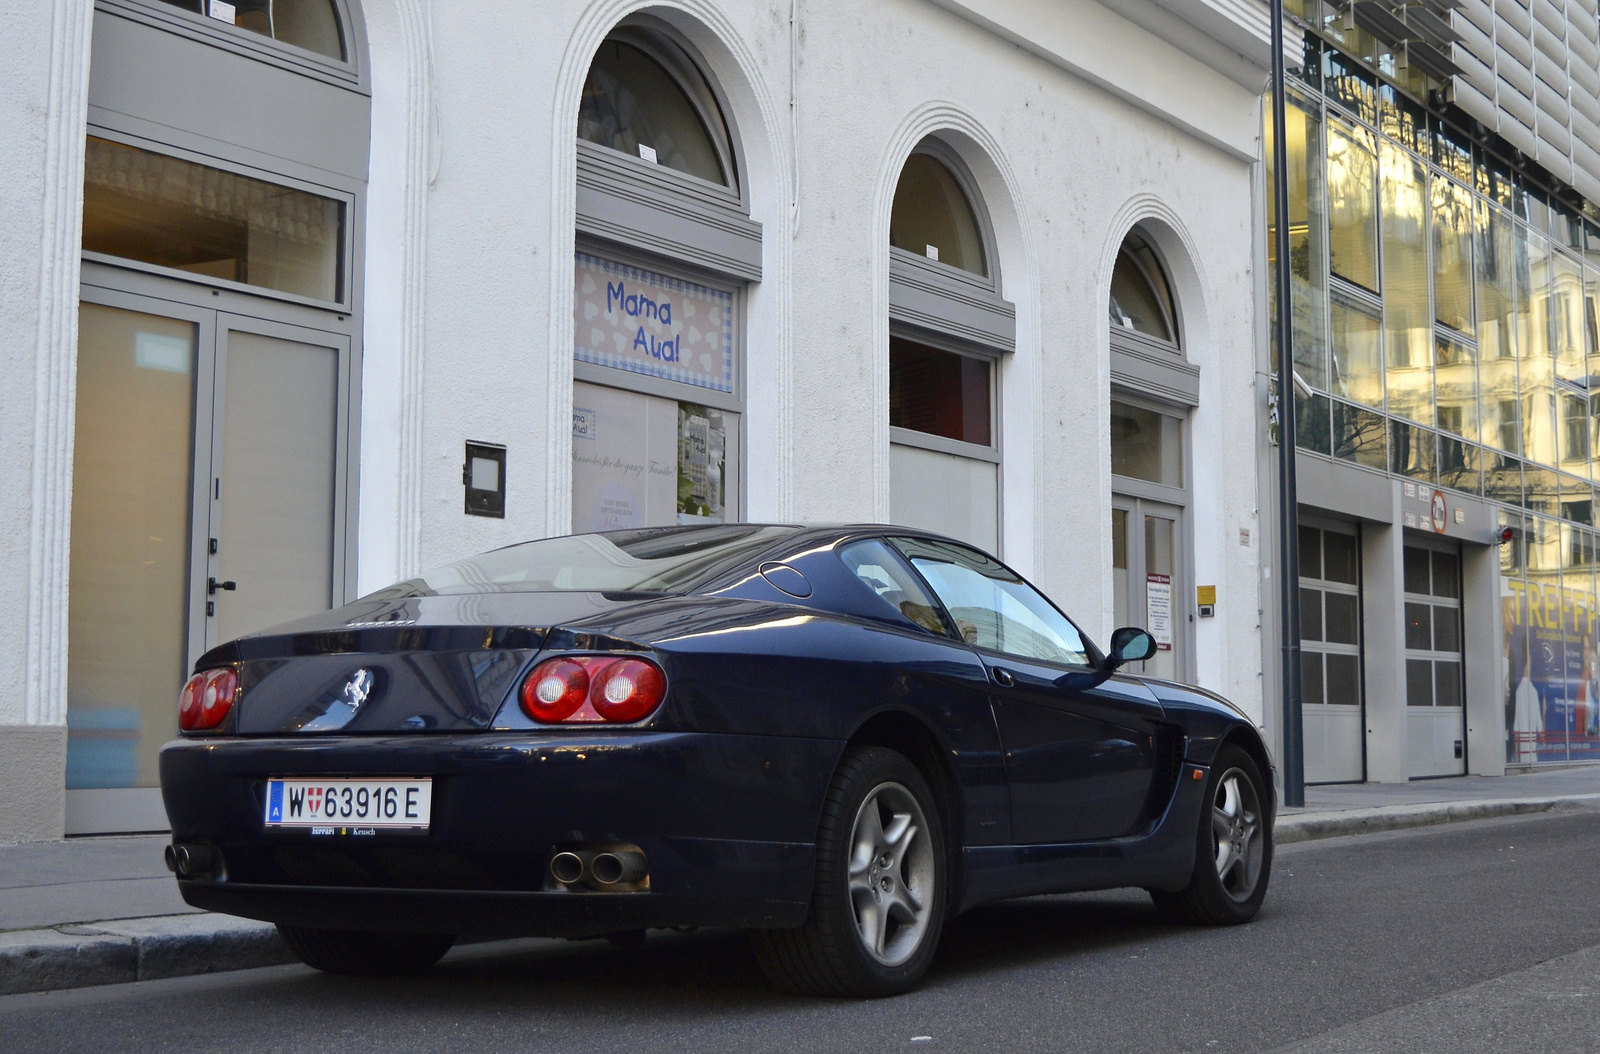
column 1294, row 777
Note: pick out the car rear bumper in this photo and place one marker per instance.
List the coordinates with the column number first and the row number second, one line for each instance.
column 727, row 824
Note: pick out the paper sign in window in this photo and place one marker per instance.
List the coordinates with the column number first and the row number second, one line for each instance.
column 1158, row 609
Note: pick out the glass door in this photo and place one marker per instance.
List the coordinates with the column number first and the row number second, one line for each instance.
column 276, row 473
column 131, row 558
column 1148, row 584
column 207, row 502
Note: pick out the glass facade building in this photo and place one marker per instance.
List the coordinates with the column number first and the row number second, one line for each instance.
column 1444, row 330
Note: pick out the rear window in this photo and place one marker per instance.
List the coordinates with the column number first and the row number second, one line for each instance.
column 651, row 560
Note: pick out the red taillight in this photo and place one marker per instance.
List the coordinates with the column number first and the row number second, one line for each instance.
column 554, row 691
column 627, row 690
column 588, row 688
column 205, row 701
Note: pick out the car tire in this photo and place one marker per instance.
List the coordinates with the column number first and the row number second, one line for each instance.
column 878, row 900
column 364, row 954
column 1233, row 848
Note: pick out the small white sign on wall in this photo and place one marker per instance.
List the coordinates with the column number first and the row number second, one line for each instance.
column 222, row 12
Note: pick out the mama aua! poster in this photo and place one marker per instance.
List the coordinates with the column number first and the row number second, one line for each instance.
column 652, row 324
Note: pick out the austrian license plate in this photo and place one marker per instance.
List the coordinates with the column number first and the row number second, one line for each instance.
column 349, row 806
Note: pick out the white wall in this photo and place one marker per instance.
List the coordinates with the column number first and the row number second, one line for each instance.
column 1067, row 160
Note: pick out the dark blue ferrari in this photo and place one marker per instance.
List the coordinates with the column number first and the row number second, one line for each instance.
column 835, row 738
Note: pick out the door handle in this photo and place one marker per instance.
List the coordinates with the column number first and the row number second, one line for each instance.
column 212, row 585
column 1003, row 678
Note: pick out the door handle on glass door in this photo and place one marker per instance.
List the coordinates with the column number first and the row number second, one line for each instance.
column 212, row 585
column 1003, row 678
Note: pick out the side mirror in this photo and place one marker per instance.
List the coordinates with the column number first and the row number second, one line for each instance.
column 1130, row 644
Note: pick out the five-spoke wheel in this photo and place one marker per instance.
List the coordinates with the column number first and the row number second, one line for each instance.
column 1233, row 850
column 878, row 902
column 1236, row 830
column 891, row 873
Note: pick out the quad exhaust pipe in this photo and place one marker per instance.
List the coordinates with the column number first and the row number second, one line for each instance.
column 186, row 861
column 614, row 868
column 611, row 867
column 568, row 868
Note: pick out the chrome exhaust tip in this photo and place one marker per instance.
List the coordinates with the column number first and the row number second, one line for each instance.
column 617, row 867
column 190, row 860
column 170, row 855
column 567, row 868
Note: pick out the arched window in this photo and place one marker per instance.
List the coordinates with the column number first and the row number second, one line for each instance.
column 665, row 249
column 1147, row 353
column 645, row 99
column 932, row 216
column 310, row 24
column 948, row 329
column 1141, row 300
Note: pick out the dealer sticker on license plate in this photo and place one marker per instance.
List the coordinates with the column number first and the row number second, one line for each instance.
column 349, row 806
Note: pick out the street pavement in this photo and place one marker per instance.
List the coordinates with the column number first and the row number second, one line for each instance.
column 1474, row 936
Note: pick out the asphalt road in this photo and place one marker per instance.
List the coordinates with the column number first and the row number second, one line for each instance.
column 1474, row 937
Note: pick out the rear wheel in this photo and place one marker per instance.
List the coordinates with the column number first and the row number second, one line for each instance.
column 366, row 954
column 878, row 902
column 1233, row 849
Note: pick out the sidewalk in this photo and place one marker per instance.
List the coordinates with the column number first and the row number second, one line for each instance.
column 92, row 911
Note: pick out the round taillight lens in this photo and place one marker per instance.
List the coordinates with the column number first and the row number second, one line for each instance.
column 627, row 690
column 206, row 699
column 554, row 691
column 189, row 702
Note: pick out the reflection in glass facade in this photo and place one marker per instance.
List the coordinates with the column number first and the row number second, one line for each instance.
column 1445, row 323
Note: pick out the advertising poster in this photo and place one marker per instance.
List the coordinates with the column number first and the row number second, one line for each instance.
column 631, row 319
column 1550, row 663
column 702, row 464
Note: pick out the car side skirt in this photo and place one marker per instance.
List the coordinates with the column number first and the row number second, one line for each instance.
column 1160, row 858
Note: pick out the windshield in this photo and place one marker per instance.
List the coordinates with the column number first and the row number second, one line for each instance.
column 652, row 560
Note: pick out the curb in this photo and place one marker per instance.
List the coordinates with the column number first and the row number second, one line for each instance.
column 96, row 953
column 1310, row 827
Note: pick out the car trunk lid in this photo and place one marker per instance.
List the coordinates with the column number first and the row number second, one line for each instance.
column 412, row 664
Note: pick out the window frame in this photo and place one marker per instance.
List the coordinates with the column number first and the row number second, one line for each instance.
column 658, row 44
column 1095, row 659
column 1170, row 315
column 351, row 72
column 943, row 444
column 948, row 634
column 938, row 297
column 990, row 278
column 1140, row 363
column 348, row 280
column 635, row 205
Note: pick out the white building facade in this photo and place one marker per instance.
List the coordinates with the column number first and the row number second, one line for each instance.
column 300, row 297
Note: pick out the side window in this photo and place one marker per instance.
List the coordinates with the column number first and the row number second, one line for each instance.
column 995, row 609
column 880, row 567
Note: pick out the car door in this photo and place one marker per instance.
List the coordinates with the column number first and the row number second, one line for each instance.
column 1080, row 749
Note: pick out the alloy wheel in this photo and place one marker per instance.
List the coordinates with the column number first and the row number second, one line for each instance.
column 1236, row 834
column 891, row 874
